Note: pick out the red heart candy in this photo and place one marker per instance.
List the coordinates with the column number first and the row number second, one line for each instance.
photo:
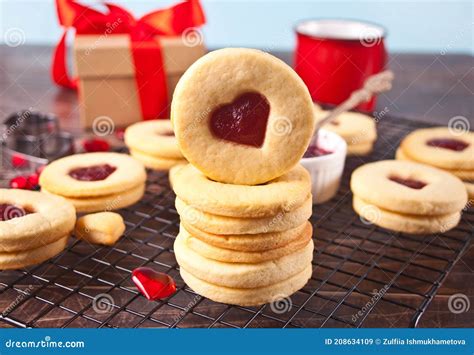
column 33, row 180
column 96, row 145
column 19, row 161
column 242, row 121
column 153, row 284
column 19, row 182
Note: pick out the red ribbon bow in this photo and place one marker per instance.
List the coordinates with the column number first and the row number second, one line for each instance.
column 149, row 69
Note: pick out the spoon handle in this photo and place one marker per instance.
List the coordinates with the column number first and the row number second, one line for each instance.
column 375, row 84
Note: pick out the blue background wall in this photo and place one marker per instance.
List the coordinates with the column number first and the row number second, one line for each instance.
column 413, row 26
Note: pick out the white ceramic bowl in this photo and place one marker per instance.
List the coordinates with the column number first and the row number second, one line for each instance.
column 326, row 170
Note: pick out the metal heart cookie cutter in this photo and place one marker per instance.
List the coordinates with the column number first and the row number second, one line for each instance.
column 30, row 139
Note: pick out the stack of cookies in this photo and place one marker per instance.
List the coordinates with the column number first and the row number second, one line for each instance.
column 33, row 227
column 154, row 144
column 445, row 148
column 244, row 201
column 408, row 197
column 95, row 182
column 244, row 244
column 358, row 130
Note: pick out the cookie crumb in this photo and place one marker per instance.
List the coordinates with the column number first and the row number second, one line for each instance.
column 100, row 228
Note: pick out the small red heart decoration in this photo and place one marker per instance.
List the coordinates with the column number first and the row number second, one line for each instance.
column 18, row 161
column 96, row 145
column 19, row 182
column 243, row 121
column 153, row 284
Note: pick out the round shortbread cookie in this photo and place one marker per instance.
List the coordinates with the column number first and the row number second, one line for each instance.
column 48, row 219
column 129, row 173
column 240, row 275
column 250, row 242
column 20, row 259
column 415, row 146
column 242, row 116
column 108, row 202
column 153, row 137
column 232, row 256
column 442, row 194
column 360, row 149
column 412, row 224
column 282, row 194
column 462, row 174
column 356, row 128
column 154, row 162
column 216, row 224
column 465, row 175
column 248, row 297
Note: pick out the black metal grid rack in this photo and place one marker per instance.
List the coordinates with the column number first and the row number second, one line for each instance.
column 360, row 271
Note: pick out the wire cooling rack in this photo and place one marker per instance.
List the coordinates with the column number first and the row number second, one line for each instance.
column 362, row 274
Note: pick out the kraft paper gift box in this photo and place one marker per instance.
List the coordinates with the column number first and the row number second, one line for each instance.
column 106, row 74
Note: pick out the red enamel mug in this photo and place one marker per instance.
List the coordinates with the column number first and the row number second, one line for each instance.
column 335, row 57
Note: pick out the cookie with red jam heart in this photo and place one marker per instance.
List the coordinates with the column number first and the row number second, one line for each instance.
column 154, row 144
column 95, row 182
column 358, row 130
column 242, row 116
column 442, row 147
column 408, row 197
column 33, row 227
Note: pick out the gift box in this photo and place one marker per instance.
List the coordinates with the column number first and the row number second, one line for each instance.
column 106, row 74
column 127, row 68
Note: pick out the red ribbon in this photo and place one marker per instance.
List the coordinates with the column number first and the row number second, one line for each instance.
column 150, row 75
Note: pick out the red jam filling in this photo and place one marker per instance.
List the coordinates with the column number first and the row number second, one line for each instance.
column 92, row 173
column 411, row 183
column 153, row 284
column 315, row 151
column 448, row 143
column 8, row 211
column 243, row 121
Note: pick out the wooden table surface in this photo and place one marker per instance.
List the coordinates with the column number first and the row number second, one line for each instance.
column 428, row 88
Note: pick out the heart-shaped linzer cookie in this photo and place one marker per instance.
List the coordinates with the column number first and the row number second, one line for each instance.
column 243, row 121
